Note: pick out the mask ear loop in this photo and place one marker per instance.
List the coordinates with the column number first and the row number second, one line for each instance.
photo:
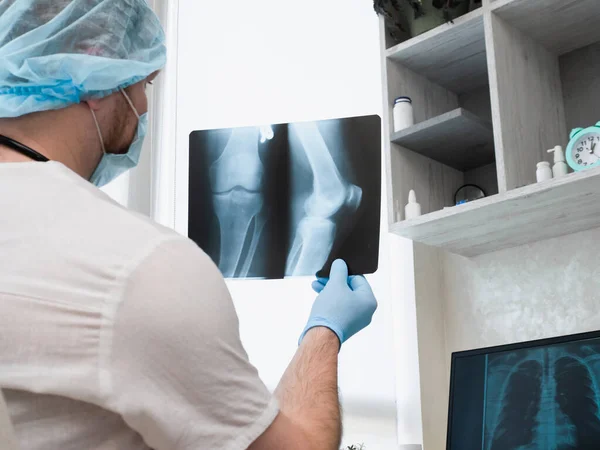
column 99, row 132
column 98, row 125
column 130, row 103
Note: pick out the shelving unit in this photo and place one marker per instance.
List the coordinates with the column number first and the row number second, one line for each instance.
column 445, row 72
column 523, row 73
column 491, row 93
column 531, row 69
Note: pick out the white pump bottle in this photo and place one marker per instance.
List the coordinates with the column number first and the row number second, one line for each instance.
column 559, row 168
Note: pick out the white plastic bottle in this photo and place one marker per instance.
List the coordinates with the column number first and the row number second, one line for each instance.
column 412, row 208
column 543, row 172
column 560, row 167
column 403, row 113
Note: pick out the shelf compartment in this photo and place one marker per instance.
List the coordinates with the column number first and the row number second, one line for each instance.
column 451, row 55
column 559, row 25
column 532, row 213
column 457, row 138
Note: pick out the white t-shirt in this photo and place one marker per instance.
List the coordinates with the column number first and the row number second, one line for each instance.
column 115, row 333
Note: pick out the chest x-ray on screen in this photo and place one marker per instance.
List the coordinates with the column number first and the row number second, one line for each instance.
column 287, row 200
column 535, row 397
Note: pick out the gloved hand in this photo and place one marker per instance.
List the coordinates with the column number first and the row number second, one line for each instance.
column 345, row 304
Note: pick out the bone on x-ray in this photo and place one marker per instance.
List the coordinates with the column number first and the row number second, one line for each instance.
column 287, row 200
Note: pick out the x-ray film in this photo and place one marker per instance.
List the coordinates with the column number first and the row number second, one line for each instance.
column 286, row 200
column 542, row 395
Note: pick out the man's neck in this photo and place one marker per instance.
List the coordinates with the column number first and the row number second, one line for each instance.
column 61, row 135
column 8, row 155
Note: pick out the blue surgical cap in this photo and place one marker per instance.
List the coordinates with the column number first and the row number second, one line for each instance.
column 54, row 53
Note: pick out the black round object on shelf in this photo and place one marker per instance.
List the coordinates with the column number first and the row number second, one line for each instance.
column 468, row 193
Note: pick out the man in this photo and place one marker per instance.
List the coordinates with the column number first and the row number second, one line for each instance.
column 117, row 333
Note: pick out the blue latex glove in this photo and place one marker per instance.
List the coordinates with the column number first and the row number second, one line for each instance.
column 345, row 304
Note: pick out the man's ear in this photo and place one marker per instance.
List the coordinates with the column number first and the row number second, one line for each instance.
column 94, row 104
column 98, row 103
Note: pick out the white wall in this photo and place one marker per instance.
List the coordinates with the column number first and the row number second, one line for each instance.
column 271, row 61
column 540, row 290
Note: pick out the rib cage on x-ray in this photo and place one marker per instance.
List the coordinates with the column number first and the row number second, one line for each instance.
column 544, row 399
column 285, row 200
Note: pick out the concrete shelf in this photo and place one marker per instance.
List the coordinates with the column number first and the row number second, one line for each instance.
column 451, row 55
column 457, row 138
column 559, row 25
column 520, row 216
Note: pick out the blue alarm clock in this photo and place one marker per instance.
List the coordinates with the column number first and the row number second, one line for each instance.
column 583, row 151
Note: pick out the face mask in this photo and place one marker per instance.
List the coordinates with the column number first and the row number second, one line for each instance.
column 112, row 165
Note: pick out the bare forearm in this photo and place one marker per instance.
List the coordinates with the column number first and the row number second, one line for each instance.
column 307, row 394
column 308, row 391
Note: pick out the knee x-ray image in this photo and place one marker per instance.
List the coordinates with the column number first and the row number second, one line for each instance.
column 539, row 398
column 286, row 200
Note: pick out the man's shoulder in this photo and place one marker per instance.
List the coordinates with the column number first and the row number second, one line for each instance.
column 104, row 229
column 133, row 235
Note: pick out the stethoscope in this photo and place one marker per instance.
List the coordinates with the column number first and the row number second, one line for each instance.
column 23, row 149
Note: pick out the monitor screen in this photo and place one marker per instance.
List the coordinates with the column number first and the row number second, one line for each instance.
column 282, row 200
column 538, row 395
